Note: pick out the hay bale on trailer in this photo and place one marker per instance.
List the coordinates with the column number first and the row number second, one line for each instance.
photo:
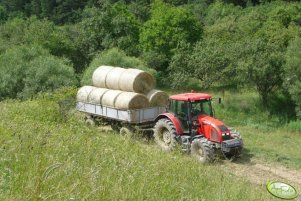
column 99, row 76
column 113, row 77
column 131, row 80
column 157, row 98
column 96, row 95
column 131, row 100
column 83, row 93
column 109, row 98
column 136, row 81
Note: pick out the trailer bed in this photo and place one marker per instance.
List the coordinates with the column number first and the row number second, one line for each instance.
column 131, row 116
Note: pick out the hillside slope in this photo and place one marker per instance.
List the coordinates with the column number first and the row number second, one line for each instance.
column 50, row 156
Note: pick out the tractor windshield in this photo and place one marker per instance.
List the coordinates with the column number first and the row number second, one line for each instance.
column 201, row 107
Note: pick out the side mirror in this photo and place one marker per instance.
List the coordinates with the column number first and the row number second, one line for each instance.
column 219, row 100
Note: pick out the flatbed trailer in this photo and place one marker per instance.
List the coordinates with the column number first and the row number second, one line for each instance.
column 135, row 119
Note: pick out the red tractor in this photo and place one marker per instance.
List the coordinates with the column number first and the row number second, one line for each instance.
column 190, row 121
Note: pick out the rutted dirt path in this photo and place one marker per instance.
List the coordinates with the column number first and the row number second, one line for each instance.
column 260, row 173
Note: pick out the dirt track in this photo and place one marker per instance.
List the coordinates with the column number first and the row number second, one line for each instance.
column 260, row 173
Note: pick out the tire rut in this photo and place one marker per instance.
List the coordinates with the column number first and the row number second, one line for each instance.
column 260, row 173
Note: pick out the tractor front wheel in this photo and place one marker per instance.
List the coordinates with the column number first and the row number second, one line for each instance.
column 200, row 149
column 165, row 134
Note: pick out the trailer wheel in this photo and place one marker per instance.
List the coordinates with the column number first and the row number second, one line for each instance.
column 126, row 131
column 165, row 134
column 90, row 122
column 200, row 149
column 116, row 127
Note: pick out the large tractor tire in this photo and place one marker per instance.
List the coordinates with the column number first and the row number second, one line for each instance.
column 200, row 149
column 165, row 134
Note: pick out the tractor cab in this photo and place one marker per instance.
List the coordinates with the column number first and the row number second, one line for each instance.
column 188, row 107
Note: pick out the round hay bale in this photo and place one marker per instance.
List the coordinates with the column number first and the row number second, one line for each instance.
column 99, row 76
column 96, row 94
column 157, row 98
column 113, row 76
column 131, row 100
column 83, row 93
column 109, row 97
column 136, row 80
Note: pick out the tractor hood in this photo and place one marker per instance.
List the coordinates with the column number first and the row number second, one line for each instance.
column 209, row 120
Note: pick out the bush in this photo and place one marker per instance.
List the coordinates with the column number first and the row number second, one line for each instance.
column 26, row 70
column 294, row 126
column 113, row 57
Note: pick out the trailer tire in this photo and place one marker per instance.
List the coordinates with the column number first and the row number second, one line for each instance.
column 165, row 134
column 200, row 149
column 90, row 122
column 116, row 127
column 126, row 131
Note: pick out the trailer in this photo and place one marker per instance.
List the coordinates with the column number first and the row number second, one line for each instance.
column 121, row 120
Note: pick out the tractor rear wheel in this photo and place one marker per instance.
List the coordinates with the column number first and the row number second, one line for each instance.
column 200, row 149
column 165, row 134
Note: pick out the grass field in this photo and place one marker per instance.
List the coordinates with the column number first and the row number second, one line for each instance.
column 47, row 153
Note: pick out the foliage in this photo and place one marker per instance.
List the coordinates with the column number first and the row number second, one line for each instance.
column 3, row 14
column 40, row 32
column 167, row 27
column 294, row 126
column 293, row 73
column 58, row 11
column 113, row 57
column 24, row 71
column 220, row 10
column 108, row 27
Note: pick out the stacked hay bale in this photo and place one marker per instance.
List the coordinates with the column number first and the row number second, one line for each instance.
column 123, row 89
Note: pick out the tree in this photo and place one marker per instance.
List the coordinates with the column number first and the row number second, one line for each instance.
column 26, row 70
column 108, row 27
column 262, row 67
column 167, row 27
column 3, row 14
column 293, row 73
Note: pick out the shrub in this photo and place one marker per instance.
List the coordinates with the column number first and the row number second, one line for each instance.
column 26, row 70
column 294, row 126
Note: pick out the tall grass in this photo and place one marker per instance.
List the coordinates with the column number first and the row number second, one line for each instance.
column 266, row 136
column 47, row 156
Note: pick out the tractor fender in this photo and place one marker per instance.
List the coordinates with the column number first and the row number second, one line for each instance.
column 173, row 119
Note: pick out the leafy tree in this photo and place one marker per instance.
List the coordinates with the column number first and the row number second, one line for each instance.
column 47, row 73
column 219, row 10
column 167, row 27
column 12, row 33
column 140, row 8
column 262, row 66
column 178, row 70
column 26, row 70
column 293, row 73
column 113, row 57
column 110, row 26
column 3, row 14
column 60, row 41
